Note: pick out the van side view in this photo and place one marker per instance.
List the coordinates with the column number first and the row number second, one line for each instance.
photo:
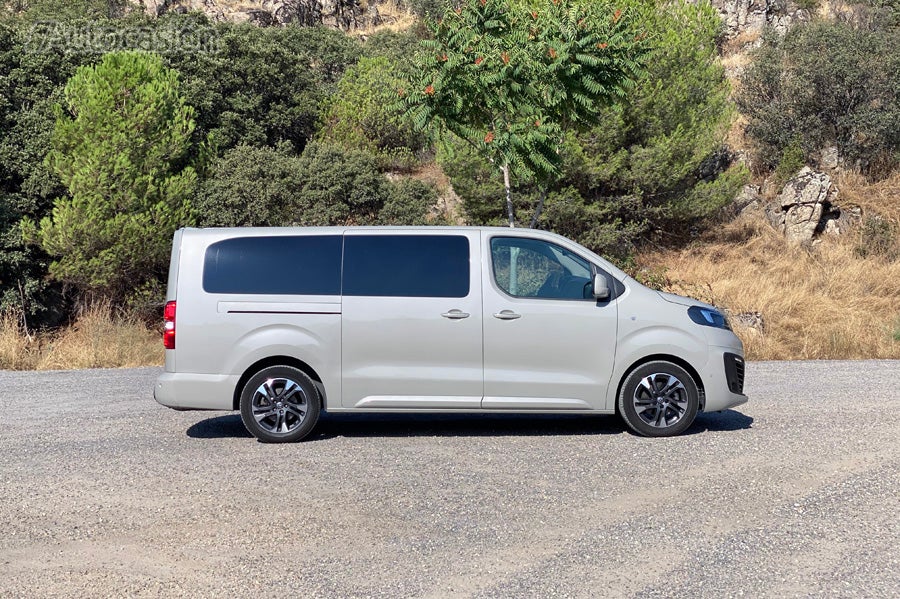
column 283, row 323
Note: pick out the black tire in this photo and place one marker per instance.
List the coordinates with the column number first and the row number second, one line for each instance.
column 280, row 404
column 659, row 399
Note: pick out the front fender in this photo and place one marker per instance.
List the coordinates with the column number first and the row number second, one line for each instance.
column 655, row 340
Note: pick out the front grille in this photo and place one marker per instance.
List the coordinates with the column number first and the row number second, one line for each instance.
column 734, row 372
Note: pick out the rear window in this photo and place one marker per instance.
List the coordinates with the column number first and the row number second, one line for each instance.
column 281, row 265
column 406, row 265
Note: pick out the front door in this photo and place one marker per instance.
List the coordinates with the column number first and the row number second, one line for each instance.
column 411, row 320
column 548, row 344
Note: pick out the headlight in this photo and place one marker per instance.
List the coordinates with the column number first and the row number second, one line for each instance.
column 708, row 317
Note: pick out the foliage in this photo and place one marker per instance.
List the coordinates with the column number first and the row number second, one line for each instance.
column 37, row 10
column 431, row 9
column 823, row 84
column 792, row 160
column 360, row 114
column 30, row 84
column 408, row 203
column 606, row 225
column 650, row 162
column 250, row 187
column 663, row 145
column 262, row 86
column 878, row 237
column 509, row 81
column 326, row 185
column 127, row 192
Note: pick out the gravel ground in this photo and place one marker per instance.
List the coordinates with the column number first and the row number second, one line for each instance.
column 105, row 493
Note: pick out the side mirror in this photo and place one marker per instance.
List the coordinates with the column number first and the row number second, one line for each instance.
column 601, row 288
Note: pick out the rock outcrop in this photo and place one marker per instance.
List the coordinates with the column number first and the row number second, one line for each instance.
column 751, row 16
column 347, row 15
column 807, row 208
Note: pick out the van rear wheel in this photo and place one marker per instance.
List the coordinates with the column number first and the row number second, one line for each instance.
column 659, row 399
column 280, row 404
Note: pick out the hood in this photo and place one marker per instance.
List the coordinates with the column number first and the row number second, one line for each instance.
column 684, row 301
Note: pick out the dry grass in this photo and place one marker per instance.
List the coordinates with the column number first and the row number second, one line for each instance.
column 394, row 17
column 819, row 301
column 98, row 339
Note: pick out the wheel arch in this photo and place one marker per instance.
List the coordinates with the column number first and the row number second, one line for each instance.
column 278, row 361
column 701, row 390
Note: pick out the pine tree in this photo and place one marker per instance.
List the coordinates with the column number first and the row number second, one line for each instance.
column 122, row 148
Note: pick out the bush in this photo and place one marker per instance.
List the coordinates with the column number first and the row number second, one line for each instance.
column 430, row 9
column 361, row 113
column 878, row 237
column 264, row 85
column 823, row 84
column 251, row 187
column 661, row 144
column 31, row 83
column 408, row 203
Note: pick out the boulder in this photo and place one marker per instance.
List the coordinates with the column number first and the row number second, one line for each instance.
column 799, row 210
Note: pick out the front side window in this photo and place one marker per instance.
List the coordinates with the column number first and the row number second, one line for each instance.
column 406, row 265
column 539, row 269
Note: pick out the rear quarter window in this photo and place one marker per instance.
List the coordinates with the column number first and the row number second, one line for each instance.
column 277, row 265
column 406, row 265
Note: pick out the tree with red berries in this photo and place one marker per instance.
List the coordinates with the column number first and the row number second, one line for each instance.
column 511, row 78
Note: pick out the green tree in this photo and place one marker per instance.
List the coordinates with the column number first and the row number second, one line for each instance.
column 121, row 147
column 652, row 161
column 510, row 79
column 826, row 83
column 251, row 187
column 327, row 184
column 30, row 84
column 360, row 113
column 261, row 86
column 664, row 142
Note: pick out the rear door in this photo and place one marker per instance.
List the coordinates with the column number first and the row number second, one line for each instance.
column 412, row 314
column 548, row 344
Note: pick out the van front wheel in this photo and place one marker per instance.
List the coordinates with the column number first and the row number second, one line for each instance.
column 280, row 404
column 659, row 399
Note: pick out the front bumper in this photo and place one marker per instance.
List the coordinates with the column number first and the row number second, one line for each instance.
column 716, row 384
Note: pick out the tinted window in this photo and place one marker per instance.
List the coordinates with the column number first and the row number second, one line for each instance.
column 307, row 265
column 406, row 265
column 534, row 268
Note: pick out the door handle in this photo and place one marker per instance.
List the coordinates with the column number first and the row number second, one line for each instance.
column 507, row 315
column 455, row 314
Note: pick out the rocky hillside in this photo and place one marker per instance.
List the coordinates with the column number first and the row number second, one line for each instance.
column 348, row 15
column 741, row 16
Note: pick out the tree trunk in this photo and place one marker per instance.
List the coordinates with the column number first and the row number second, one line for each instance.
column 540, row 207
column 509, row 205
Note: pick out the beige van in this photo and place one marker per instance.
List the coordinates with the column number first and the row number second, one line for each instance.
column 282, row 323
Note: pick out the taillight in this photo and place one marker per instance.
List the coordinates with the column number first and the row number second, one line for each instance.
column 169, row 326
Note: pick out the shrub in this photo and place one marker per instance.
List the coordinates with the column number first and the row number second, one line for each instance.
column 251, row 187
column 361, row 113
column 822, row 84
column 431, row 9
column 263, row 85
column 878, row 237
column 408, row 203
column 652, row 162
column 31, row 83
